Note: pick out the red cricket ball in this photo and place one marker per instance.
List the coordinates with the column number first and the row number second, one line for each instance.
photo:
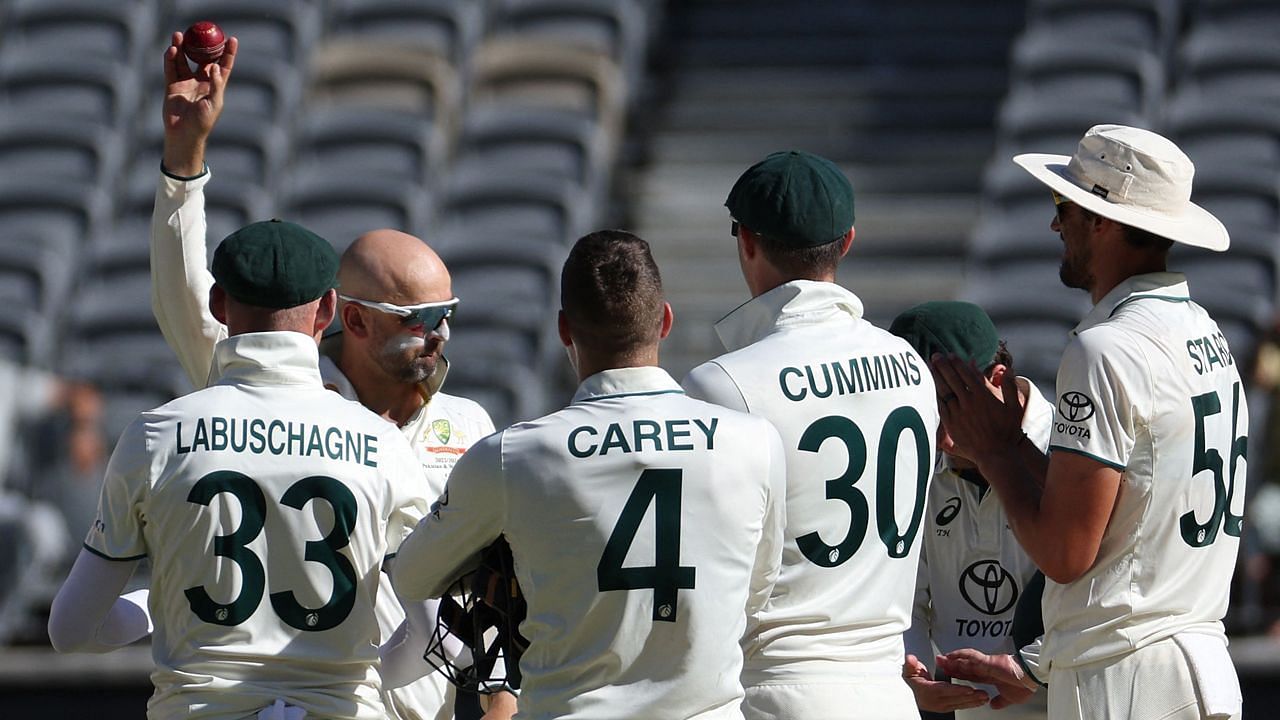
column 203, row 42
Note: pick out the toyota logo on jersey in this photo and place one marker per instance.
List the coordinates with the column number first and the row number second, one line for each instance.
column 1075, row 407
column 988, row 587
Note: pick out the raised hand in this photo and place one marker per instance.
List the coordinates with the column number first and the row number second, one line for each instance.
column 939, row 696
column 192, row 104
column 981, row 419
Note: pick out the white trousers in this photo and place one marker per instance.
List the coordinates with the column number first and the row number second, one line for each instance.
column 1157, row 682
column 873, row 697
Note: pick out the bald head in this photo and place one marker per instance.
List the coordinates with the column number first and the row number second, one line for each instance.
column 394, row 267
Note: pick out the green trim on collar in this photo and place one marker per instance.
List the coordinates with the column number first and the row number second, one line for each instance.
column 113, row 559
column 634, row 394
column 1164, row 298
column 1108, row 463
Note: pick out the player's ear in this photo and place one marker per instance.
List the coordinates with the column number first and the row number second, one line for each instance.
column 353, row 321
column 562, row 325
column 218, row 303
column 998, row 373
column 668, row 317
column 747, row 245
column 847, row 241
column 325, row 312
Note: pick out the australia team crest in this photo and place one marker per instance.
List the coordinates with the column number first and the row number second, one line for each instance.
column 442, row 429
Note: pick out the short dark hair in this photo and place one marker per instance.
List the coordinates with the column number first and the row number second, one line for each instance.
column 1143, row 240
column 800, row 262
column 1003, row 357
column 611, row 292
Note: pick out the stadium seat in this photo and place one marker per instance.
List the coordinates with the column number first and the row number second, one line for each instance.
column 342, row 206
column 349, row 138
column 515, row 289
column 520, row 72
column 1024, row 290
column 1048, row 121
column 616, row 28
column 26, row 337
column 537, row 140
column 1229, row 63
column 33, row 205
column 1258, row 18
column 1221, row 129
column 450, row 28
column 55, row 147
column 1010, row 235
column 246, row 148
column 277, row 29
column 36, row 271
column 33, row 546
column 111, row 339
column 1244, row 283
column 265, row 88
column 1149, row 24
column 49, row 82
column 1089, row 71
column 122, row 29
column 370, row 73
column 519, row 203
column 1244, row 196
column 508, row 392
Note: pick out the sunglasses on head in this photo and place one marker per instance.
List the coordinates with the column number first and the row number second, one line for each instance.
column 733, row 228
column 428, row 315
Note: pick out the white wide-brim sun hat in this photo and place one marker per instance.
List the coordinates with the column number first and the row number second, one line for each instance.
column 1134, row 177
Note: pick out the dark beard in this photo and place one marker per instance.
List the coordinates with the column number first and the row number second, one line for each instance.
column 1073, row 277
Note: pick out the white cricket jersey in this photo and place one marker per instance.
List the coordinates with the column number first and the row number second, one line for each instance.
column 1148, row 386
column 439, row 432
column 856, row 409
column 266, row 505
column 646, row 530
column 972, row 569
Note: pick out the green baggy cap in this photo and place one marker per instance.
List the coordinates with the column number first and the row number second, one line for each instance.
column 794, row 197
column 960, row 328
column 275, row 264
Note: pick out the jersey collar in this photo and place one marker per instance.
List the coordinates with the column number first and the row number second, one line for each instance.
column 266, row 358
column 799, row 302
column 620, row 382
column 1169, row 286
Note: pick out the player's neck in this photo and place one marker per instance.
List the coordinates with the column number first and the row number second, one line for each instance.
column 1122, row 264
column 589, row 364
column 395, row 401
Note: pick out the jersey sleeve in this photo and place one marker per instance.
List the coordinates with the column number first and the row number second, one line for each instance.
column 768, row 561
column 710, row 382
column 468, row 517
column 87, row 616
column 1099, row 397
column 117, row 532
column 918, row 638
column 180, row 279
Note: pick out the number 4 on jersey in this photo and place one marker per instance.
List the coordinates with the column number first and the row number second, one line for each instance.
column 666, row 577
